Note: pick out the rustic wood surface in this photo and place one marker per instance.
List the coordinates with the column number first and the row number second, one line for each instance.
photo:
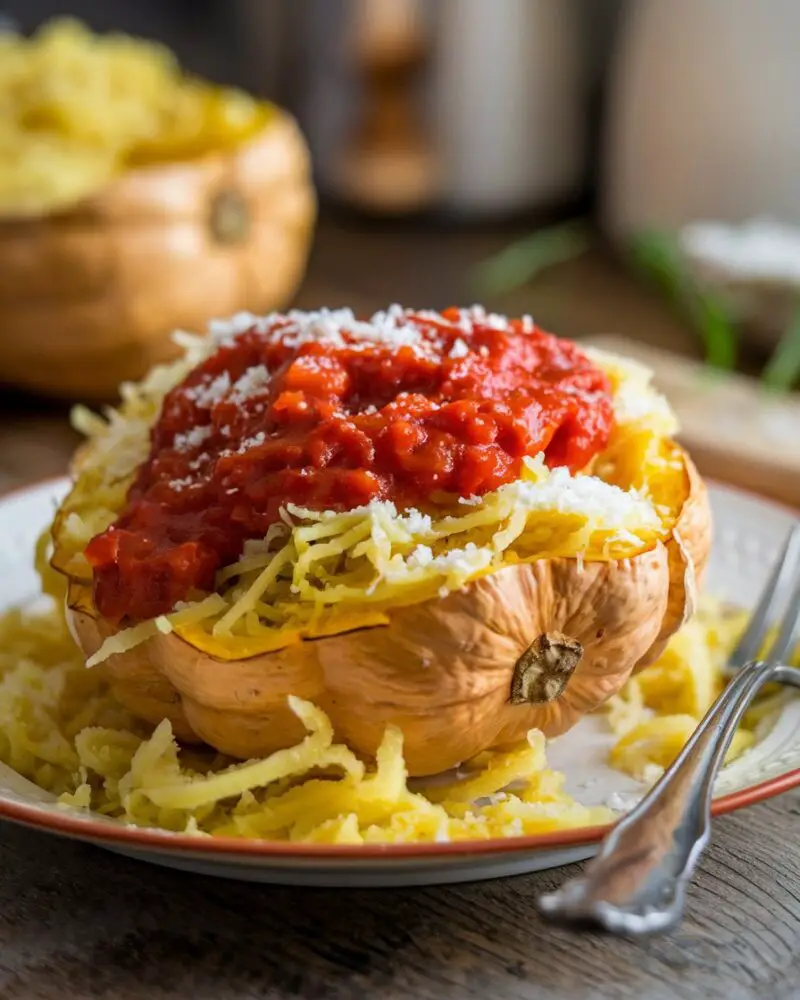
column 78, row 922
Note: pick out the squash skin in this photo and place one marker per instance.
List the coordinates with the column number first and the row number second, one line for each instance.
column 441, row 670
column 97, row 289
column 688, row 551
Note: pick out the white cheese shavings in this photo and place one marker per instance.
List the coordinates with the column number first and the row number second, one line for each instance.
column 340, row 328
column 616, row 508
column 477, row 316
column 182, row 484
column 459, row 349
column 253, row 381
column 431, row 316
column 191, row 439
column 211, row 393
column 415, row 523
column 421, row 557
column 252, row 442
column 463, row 562
column 394, row 328
column 241, row 322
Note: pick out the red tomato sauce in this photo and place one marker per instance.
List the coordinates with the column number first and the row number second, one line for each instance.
column 429, row 408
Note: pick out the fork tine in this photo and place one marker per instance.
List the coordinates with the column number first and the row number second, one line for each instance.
column 785, row 641
column 750, row 643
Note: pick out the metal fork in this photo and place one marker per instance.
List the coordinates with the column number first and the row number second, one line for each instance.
column 637, row 882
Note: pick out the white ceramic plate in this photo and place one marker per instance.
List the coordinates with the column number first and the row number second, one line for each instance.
column 749, row 534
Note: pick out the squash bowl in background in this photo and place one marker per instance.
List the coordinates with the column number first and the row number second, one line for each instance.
column 88, row 295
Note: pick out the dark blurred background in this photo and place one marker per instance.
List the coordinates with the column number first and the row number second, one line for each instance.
column 610, row 166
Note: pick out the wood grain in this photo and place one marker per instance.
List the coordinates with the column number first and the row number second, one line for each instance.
column 77, row 922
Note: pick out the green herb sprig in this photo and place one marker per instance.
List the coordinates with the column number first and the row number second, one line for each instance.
column 658, row 256
column 524, row 260
column 782, row 371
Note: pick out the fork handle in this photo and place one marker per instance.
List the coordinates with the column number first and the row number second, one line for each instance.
column 637, row 882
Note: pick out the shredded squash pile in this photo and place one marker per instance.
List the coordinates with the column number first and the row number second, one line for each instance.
column 60, row 728
column 77, row 108
column 658, row 709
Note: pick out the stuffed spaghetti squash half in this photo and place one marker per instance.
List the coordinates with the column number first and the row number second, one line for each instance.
column 450, row 522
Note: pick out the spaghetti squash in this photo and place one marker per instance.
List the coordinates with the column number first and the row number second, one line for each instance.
column 453, row 524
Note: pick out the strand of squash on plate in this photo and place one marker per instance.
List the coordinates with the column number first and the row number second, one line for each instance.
column 657, row 710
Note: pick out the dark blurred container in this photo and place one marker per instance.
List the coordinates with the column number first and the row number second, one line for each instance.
column 200, row 32
column 474, row 107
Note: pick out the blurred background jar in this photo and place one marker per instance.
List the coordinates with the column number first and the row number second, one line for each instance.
column 477, row 109
column 702, row 114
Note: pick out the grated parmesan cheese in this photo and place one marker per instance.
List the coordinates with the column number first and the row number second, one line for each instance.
column 340, row 328
column 477, row 316
column 464, row 562
column 415, row 523
column 241, row 322
column 182, row 484
column 586, row 496
column 421, row 557
column 253, row 381
column 191, row 439
column 211, row 393
column 252, row 442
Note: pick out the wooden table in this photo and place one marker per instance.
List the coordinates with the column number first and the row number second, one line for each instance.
column 77, row 922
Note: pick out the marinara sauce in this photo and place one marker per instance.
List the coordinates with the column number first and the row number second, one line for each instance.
column 327, row 412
